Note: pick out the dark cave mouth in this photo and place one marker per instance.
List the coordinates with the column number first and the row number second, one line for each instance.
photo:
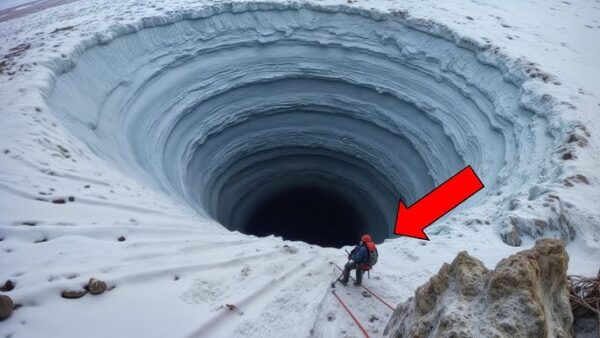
column 308, row 213
column 325, row 197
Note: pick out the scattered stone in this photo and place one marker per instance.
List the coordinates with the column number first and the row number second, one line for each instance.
column 42, row 240
column 576, row 179
column 578, row 139
column 73, row 294
column 87, row 186
column 121, row 239
column 96, row 286
column 71, row 199
column 230, row 307
column 290, row 249
column 526, row 295
column 8, row 286
column 510, row 233
column 568, row 156
column 176, row 278
column 6, row 307
column 59, row 201
column 245, row 271
column 62, row 29
column 17, row 51
column 28, row 223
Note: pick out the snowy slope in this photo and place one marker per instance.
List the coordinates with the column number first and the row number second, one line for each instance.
column 177, row 268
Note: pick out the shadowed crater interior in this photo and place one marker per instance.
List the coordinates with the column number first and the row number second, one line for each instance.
column 307, row 213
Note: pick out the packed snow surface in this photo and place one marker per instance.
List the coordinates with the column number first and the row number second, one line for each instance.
column 140, row 139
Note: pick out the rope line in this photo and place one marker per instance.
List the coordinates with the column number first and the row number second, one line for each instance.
column 371, row 292
column 351, row 315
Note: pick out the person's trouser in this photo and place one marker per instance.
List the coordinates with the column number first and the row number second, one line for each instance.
column 350, row 266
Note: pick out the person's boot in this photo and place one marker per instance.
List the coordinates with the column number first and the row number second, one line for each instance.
column 359, row 273
column 345, row 277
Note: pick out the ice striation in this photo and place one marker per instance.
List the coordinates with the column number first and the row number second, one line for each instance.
column 225, row 106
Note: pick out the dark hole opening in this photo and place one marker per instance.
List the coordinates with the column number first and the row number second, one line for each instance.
column 307, row 213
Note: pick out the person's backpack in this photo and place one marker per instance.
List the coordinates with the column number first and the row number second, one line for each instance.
column 372, row 254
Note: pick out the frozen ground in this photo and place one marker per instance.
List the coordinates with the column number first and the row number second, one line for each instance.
column 177, row 268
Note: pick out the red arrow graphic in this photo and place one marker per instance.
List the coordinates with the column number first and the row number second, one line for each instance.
column 457, row 189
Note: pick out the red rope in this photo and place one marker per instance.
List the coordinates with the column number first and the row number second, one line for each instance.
column 376, row 296
column 371, row 292
column 351, row 315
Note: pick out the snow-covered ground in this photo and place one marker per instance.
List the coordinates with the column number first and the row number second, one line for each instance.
column 69, row 191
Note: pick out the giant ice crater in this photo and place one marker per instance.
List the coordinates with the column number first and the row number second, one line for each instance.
column 296, row 119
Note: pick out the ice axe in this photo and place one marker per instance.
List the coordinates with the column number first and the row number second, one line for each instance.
column 338, row 279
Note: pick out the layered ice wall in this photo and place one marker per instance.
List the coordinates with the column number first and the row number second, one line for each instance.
column 232, row 107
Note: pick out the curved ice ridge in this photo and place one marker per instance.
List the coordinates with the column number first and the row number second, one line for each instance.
column 223, row 105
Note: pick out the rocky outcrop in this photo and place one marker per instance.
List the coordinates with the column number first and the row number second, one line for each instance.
column 526, row 295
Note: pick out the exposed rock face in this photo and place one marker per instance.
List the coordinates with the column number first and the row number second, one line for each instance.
column 525, row 296
column 6, row 306
column 96, row 286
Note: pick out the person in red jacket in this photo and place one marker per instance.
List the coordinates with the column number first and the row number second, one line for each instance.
column 357, row 258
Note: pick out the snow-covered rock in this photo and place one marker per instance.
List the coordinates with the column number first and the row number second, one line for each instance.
column 526, row 295
column 73, row 294
column 96, row 286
